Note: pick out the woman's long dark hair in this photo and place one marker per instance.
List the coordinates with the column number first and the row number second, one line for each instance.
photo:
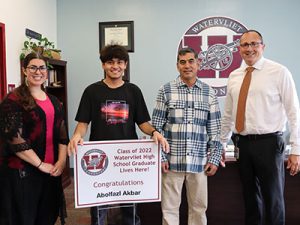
column 22, row 92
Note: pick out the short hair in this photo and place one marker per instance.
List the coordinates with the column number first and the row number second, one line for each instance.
column 186, row 50
column 110, row 52
column 255, row 31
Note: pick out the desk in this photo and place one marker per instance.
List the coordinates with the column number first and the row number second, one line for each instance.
column 225, row 201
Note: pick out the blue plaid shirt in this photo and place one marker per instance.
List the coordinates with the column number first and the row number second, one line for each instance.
column 190, row 119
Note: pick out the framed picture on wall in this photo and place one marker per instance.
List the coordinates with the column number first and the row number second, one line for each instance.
column 117, row 32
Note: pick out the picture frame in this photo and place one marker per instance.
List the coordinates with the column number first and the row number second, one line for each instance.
column 117, row 32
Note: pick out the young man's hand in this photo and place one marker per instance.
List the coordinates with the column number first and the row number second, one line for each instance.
column 72, row 146
column 158, row 138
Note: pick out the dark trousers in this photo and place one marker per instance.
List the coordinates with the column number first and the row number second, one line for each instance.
column 29, row 198
column 128, row 214
column 261, row 166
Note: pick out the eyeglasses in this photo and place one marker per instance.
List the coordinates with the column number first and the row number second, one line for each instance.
column 190, row 61
column 34, row 69
column 252, row 44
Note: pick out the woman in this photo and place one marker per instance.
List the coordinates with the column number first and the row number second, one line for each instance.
column 33, row 141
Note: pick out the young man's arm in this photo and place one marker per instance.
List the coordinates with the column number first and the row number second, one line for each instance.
column 78, row 135
column 147, row 128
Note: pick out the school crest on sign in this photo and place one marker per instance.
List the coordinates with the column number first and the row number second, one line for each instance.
column 94, row 162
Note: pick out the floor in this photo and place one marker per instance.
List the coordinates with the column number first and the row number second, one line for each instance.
column 75, row 216
column 81, row 216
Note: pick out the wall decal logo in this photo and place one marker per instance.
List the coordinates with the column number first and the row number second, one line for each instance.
column 216, row 40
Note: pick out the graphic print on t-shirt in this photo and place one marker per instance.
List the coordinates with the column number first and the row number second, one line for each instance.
column 115, row 112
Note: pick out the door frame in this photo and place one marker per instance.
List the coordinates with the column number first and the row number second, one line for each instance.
column 3, row 81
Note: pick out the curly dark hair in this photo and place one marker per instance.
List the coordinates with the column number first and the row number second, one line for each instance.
column 113, row 51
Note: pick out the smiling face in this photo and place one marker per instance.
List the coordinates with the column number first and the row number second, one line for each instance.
column 114, row 69
column 36, row 72
column 187, row 66
column 251, row 48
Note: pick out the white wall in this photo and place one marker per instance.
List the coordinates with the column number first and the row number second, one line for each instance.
column 17, row 15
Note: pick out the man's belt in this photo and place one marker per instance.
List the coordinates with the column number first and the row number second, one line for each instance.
column 260, row 136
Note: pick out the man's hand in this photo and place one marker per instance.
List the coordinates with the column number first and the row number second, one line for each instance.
column 210, row 169
column 72, row 146
column 164, row 167
column 223, row 158
column 293, row 164
column 158, row 138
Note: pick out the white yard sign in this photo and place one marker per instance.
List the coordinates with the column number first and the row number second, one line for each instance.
column 113, row 172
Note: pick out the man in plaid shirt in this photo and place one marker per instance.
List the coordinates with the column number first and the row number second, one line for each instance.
column 187, row 113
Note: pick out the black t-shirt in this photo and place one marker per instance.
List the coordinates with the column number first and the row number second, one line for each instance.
column 112, row 112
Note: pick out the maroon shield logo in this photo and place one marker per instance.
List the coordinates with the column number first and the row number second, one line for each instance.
column 94, row 162
column 216, row 40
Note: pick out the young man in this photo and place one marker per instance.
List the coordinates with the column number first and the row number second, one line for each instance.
column 258, row 122
column 113, row 107
column 188, row 114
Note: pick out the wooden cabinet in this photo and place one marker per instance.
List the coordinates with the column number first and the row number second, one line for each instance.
column 57, row 81
column 225, row 200
column 57, row 86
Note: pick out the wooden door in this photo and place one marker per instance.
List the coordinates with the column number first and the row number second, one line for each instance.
column 3, row 83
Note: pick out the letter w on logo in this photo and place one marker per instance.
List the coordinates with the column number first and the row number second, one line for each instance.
column 94, row 161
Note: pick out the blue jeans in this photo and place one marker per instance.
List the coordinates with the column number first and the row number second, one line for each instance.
column 129, row 215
